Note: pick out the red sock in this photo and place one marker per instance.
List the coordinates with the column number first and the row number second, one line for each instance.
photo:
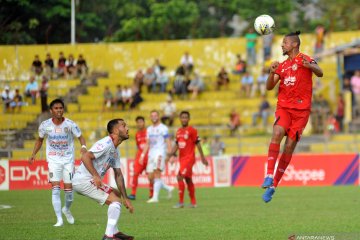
column 191, row 189
column 181, row 185
column 273, row 154
column 151, row 189
column 283, row 163
column 134, row 184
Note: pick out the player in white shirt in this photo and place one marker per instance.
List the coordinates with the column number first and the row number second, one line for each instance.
column 88, row 177
column 60, row 155
column 158, row 144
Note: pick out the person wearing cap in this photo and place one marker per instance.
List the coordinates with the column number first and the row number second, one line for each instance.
column 7, row 98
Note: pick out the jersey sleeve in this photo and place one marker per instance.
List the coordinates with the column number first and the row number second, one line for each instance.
column 279, row 69
column 75, row 130
column 165, row 132
column 117, row 163
column 195, row 136
column 99, row 148
column 42, row 130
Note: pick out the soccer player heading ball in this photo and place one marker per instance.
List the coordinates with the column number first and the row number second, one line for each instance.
column 293, row 107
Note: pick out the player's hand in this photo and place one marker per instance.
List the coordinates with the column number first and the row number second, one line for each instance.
column 97, row 181
column 129, row 205
column 83, row 151
column 305, row 62
column 205, row 162
column 274, row 66
column 172, row 159
column 31, row 160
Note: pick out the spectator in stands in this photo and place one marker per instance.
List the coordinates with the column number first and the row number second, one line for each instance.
column 246, row 84
column 158, row 67
column 340, row 112
column 150, row 79
column 61, row 67
column 108, row 98
column 263, row 112
column 7, row 97
column 251, row 38
column 127, row 95
column 43, row 94
column 217, row 146
column 234, row 122
column 17, row 101
column 240, row 66
column 267, row 45
column 32, row 89
column 320, row 33
column 179, row 87
column 320, row 109
column 70, row 67
column 81, row 66
column 37, row 66
column 188, row 62
column 261, row 83
column 355, row 86
column 49, row 66
column 162, row 80
column 136, row 97
column 205, row 146
column 168, row 111
column 347, row 87
column 222, row 79
column 139, row 79
column 196, row 86
column 118, row 98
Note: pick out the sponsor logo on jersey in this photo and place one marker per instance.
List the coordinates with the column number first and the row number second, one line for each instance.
column 58, row 130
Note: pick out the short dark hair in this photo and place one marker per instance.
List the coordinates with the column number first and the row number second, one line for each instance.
column 58, row 100
column 294, row 36
column 112, row 123
column 139, row 118
column 185, row 112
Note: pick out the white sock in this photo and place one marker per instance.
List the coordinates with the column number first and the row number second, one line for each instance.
column 69, row 196
column 56, row 201
column 166, row 187
column 157, row 187
column 113, row 217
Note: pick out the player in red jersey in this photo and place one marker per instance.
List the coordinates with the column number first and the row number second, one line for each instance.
column 293, row 107
column 186, row 140
column 139, row 168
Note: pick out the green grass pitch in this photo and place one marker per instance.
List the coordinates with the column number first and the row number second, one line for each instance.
column 222, row 213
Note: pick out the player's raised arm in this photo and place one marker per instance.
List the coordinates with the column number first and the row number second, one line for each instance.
column 313, row 66
column 273, row 78
column 87, row 159
column 37, row 146
column 83, row 144
column 203, row 159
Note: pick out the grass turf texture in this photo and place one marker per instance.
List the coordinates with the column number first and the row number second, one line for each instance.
column 222, row 213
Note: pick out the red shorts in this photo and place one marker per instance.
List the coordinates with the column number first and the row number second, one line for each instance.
column 292, row 120
column 139, row 168
column 186, row 166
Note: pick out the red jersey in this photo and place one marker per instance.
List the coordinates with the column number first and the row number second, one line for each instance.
column 140, row 137
column 295, row 90
column 186, row 139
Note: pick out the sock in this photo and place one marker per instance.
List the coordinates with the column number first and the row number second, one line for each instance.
column 56, row 201
column 134, row 184
column 273, row 154
column 191, row 189
column 283, row 163
column 69, row 196
column 157, row 187
column 181, row 185
column 114, row 211
column 165, row 186
column 151, row 189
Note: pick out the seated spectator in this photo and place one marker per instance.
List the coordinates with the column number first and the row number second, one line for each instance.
column 196, row 86
column 32, row 90
column 261, row 83
column 340, row 111
column 355, row 86
column 150, row 79
column 179, row 87
column 126, row 96
column 118, row 98
column 61, row 67
column 136, row 97
column 108, row 98
column 139, row 79
column 158, row 67
column 43, row 94
column 263, row 112
column 17, row 101
column 222, row 79
column 240, row 66
column 234, row 122
column 168, row 111
column 37, row 66
column 188, row 62
column 246, row 84
column 81, row 66
column 162, row 80
column 217, row 146
column 320, row 109
column 7, row 97
column 70, row 65
column 49, row 66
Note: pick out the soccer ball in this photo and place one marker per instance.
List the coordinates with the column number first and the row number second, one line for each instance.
column 264, row 24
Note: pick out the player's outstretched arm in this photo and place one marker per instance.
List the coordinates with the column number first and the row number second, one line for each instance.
column 171, row 155
column 120, row 183
column 203, row 159
column 37, row 146
column 87, row 159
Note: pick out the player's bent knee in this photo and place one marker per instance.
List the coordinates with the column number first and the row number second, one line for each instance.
column 113, row 197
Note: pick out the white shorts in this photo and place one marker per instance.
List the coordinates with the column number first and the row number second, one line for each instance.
column 156, row 161
column 90, row 190
column 61, row 171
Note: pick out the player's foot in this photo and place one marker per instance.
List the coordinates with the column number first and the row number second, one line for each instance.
column 178, row 205
column 121, row 235
column 192, row 205
column 268, row 182
column 110, row 238
column 59, row 223
column 68, row 215
column 132, row 197
column 267, row 196
column 170, row 191
column 152, row 200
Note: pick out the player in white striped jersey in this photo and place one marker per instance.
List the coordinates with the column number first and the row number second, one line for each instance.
column 60, row 155
column 88, row 177
column 158, row 144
